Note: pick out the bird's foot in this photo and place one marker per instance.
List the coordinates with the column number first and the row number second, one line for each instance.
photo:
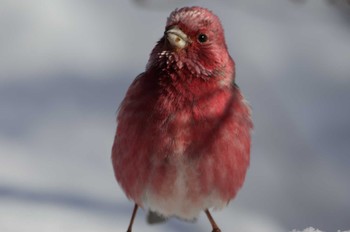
column 216, row 230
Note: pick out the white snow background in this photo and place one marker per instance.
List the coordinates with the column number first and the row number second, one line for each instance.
column 65, row 66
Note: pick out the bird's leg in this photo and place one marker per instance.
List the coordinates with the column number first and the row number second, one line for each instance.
column 132, row 218
column 212, row 222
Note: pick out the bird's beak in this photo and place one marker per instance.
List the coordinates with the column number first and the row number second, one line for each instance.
column 177, row 38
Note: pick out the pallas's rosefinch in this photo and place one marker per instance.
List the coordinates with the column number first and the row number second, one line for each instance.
column 183, row 137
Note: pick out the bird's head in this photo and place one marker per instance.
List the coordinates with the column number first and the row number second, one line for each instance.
column 194, row 41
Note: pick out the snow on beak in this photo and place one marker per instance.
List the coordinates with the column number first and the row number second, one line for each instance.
column 176, row 38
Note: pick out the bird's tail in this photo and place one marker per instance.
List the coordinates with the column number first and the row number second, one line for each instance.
column 154, row 218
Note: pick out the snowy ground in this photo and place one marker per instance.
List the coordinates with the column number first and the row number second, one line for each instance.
column 65, row 66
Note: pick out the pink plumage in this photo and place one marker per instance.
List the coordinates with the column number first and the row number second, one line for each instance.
column 183, row 137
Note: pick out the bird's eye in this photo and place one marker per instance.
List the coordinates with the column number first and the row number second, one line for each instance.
column 202, row 38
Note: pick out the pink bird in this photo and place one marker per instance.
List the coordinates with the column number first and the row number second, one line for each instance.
column 182, row 144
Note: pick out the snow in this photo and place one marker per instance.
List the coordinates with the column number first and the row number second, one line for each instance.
column 311, row 229
column 65, row 66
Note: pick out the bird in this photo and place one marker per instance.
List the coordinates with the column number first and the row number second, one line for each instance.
column 183, row 137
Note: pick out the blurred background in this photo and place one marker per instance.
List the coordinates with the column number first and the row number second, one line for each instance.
column 66, row 65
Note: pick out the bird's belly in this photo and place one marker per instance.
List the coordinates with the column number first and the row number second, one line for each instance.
column 180, row 189
column 203, row 174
